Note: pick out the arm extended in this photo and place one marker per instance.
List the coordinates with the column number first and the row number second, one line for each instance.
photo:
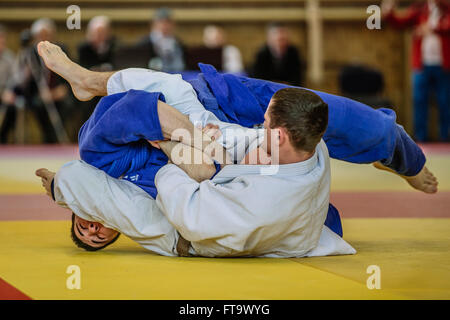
column 405, row 20
column 184, row 157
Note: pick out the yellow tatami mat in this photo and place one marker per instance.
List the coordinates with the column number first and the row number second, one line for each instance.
column 39, row 254
column 411, row 252
column 412, row 255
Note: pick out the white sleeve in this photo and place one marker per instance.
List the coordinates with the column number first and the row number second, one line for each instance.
column 201, row 211
column 236, row 139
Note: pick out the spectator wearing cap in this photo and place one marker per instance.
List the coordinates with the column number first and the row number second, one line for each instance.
column 168, row 49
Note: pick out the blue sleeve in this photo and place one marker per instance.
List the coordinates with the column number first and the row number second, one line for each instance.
column 114, row 138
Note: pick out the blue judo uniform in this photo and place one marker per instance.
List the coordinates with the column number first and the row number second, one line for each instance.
column 114, row 138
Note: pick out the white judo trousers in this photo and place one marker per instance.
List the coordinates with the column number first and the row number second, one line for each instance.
column 245, row 210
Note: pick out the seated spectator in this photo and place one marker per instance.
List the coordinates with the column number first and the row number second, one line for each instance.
column 278, row 60
column 162, row 42
column 214, row 37
column 96, row 53
column 45, row 93
column 6, row 63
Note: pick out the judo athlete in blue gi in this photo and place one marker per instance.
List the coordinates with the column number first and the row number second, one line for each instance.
column 115, row 138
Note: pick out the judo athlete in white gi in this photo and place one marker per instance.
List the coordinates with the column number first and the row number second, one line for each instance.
column 240, row 212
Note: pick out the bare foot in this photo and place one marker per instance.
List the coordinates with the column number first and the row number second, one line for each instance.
column 46, row 178
column 57, row 61
column 424, row 181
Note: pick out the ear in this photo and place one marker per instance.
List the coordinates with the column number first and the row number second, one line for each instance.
column 283, row 136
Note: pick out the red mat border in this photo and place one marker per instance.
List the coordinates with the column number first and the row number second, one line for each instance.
column 8, row 292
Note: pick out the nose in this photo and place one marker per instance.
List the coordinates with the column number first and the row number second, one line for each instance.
column 93, row 227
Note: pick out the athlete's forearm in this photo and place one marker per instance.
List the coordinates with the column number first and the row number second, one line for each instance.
column 174, row 124
column 177, row 127
column 198, row 165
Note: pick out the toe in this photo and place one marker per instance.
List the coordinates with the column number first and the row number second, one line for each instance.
column 431, row 188
column 40, row 47
column 41, row 172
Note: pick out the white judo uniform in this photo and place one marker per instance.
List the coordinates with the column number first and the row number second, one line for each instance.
column 245, row 210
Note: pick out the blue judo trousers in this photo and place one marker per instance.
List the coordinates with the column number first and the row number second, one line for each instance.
column 114, row 138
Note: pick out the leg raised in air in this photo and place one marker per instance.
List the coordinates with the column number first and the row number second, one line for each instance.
column 85, row 84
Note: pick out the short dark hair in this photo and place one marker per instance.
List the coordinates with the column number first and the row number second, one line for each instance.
column 81, row 244
column 302, row 113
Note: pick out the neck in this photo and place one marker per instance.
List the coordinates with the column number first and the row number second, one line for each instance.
column 294, row 156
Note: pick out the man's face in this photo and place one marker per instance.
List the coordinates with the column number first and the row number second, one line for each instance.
column 93, row 234
column 45, row 34
column 99, row 34
column 165, row 26
column 278, row 39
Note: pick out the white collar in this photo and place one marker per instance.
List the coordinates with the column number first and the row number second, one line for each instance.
column 291, row 169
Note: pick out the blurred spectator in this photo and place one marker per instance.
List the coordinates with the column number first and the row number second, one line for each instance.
column 96, row 53
column 44, row 92
column 278, row 60
column 168, row 49
column 430, row 59
column 214, row 37
column 6, row 63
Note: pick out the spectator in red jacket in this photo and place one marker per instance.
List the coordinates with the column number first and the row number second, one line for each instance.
column 430, row 59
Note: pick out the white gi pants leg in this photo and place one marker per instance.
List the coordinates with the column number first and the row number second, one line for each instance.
column 177, row 92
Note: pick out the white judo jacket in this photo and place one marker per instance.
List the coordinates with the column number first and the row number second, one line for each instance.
column 245, row 211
